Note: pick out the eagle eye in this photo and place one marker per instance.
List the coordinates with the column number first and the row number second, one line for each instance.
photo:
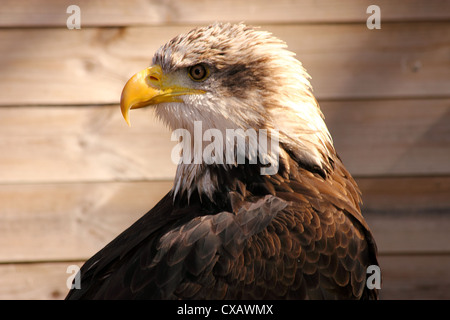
column 199, row 72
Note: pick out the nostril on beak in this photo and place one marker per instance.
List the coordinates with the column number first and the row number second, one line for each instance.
column 153, row 80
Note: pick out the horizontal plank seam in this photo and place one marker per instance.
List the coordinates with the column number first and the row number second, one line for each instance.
column 43, row 261
column 287, row 22
column 413, row 253
column 325, row 100
column 65, row 182
column 100, row 181
column 380, row 254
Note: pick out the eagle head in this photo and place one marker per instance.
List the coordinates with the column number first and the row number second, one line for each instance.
column 226, row 77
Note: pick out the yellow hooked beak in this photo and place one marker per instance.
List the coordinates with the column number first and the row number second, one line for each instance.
column 149, row 87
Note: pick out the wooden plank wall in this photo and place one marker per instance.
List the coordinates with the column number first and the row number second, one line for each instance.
column 73, row 174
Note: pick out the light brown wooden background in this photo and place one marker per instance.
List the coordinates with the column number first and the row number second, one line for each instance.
column 73, row 174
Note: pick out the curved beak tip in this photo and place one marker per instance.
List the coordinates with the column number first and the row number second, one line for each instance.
column 127, row 121
column 125, row 108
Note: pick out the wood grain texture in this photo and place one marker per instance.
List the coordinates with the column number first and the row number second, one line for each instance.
column 47, row 222
column 70, row 144
column 35, row 281
column 69, row 221
column 420, row 277
column 391, row 137
column 19, row 13
column 406, row 195
column 90, row 66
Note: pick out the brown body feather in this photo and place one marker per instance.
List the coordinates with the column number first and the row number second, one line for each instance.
column 266, row 237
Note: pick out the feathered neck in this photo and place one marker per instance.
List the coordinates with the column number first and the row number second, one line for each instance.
column 213, row 181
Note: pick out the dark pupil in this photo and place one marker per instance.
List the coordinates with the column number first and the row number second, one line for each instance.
column 198, row 72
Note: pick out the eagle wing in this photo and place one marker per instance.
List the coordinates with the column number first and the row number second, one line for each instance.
column 294, row 244
column 154, row 261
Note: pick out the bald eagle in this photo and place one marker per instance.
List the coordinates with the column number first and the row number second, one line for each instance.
column 227, row 229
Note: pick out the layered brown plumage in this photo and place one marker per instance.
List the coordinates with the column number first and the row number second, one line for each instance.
column 227, row 231
column 267, row 237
